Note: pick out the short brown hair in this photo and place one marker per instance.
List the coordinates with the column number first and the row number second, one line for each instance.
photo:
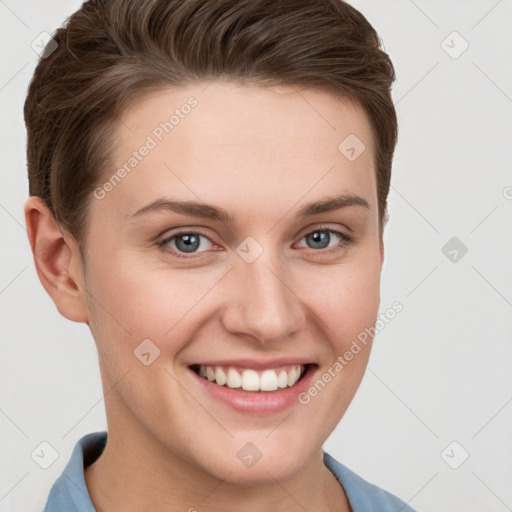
column 111, row 52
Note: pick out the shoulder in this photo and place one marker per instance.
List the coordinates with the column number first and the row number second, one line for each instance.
column 69, row 492
column 363, row 495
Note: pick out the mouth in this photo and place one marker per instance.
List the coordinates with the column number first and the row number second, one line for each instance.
column 252, row 380
column 249, row 387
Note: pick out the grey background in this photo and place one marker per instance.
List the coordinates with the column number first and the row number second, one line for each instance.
column 439, row 372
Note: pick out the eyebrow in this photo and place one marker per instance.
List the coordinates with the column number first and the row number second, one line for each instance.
column 209, row 211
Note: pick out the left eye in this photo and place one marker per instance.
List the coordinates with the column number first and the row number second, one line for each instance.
column 321, row 236
column 188, row 242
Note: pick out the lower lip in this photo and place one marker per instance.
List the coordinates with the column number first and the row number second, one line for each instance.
column 252, row 402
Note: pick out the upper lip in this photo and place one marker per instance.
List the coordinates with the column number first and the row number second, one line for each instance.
column 257, row 364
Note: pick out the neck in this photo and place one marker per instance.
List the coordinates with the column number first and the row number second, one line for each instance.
column 133, row 473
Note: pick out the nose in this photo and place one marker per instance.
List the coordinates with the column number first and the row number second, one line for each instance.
column 261, row 300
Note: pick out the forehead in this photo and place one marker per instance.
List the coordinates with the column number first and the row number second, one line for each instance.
column 224, row 113
column 225, row 141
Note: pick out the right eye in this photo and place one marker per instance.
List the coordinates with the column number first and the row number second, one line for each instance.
column 184, row 242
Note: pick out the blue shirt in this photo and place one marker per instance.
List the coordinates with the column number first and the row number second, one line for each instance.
column 69, row 492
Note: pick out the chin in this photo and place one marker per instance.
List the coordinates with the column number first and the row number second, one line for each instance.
column 257, row 459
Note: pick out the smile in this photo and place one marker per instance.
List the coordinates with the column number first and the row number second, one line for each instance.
column 249, row 379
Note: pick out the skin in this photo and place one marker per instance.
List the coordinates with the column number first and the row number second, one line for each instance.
column 260, row 153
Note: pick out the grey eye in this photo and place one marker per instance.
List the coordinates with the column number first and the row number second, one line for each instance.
column 320, row 238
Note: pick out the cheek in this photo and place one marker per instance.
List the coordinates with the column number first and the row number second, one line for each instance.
column 136, row 301
column 346, row 298
column 345, row 302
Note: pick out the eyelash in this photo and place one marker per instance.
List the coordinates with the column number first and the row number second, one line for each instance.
column 345, row 241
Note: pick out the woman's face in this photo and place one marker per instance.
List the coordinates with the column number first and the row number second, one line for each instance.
column 174, row 291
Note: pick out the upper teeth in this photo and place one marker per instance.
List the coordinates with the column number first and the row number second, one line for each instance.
column 252, row 380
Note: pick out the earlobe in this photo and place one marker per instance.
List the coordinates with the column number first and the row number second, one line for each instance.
column 57, row 261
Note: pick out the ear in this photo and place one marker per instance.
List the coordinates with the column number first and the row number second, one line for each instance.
column 57, row 261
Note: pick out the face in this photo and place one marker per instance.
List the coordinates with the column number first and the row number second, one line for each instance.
column 252, row 286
